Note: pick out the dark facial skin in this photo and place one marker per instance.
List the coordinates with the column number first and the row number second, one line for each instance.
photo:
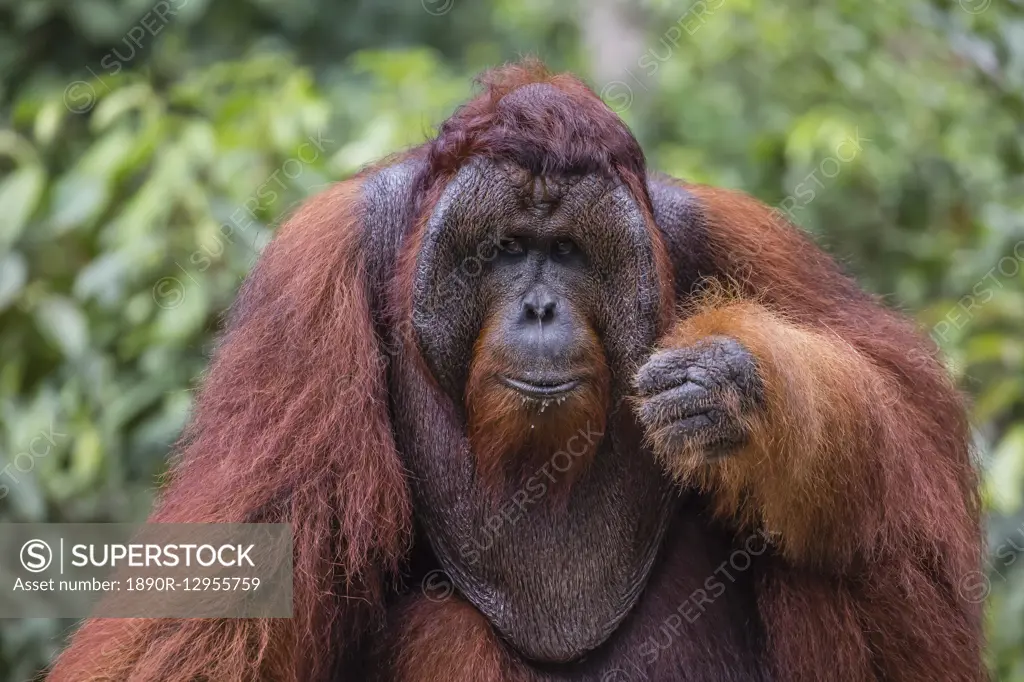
column 537, row 279
column 465, row 280
column 540, row 328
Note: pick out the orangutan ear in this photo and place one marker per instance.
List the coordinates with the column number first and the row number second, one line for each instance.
column 291, row 425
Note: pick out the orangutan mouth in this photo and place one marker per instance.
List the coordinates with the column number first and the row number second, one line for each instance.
column 545, row 390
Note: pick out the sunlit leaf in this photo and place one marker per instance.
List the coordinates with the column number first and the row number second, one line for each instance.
column 64, row 324
column 19, row 196
column 76, row 199
column 13, row 274
column 1006, row 476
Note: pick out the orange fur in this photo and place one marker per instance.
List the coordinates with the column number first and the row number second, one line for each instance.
column 291, row 425
column 511, row 438
column 859, row 462
column 824, row 403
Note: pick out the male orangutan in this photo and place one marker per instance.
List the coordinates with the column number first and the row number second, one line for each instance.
column 646, row 428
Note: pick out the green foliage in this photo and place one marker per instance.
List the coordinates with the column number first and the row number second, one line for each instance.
column 147, row 157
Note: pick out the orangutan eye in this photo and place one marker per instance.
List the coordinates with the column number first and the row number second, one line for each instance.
column 513, row 246
column 564, row 247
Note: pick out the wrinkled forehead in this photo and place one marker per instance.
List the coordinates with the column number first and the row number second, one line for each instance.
column 487, row 201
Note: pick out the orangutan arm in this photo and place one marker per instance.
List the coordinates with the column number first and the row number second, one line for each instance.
column 804, row 409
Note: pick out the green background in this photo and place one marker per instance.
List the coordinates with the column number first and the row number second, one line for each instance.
column 132, row 131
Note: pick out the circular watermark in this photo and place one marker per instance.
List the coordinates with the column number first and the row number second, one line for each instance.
column 79, row 97
column 615, row 675
column 168, row 292
column 36, row 556
column 975, row 6
column 437, row 586
column 438, row 7
column 975, row 587
column 618, row 96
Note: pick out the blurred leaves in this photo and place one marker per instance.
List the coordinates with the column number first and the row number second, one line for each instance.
column 146, row 161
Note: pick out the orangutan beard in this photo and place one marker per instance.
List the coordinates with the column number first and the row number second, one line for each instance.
column 514, row 436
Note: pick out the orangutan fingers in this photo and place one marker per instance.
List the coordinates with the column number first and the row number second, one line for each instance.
column 693, row 398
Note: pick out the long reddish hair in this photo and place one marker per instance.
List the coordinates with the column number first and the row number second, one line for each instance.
column 292, row 422
column 290, row 426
